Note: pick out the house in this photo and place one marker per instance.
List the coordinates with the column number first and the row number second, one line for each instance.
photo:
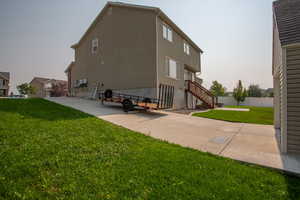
column 286, row 73
column 4, row 83
column 45, row 87
column 134, row 50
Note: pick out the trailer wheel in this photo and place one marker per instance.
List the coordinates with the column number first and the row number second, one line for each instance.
column 147, row 100
column 127, row 105
column 108, row 94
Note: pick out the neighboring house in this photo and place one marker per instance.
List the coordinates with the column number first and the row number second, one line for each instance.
column 134, row 49
column 286, row 73
column 4, row 84
column 45, row 87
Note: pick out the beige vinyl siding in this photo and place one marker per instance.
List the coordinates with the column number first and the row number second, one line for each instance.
column 126, row 55
column 175, row 51
column 293, row 99
column 277, row 71
column 39, row 89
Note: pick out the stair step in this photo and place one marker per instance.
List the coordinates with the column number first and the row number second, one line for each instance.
column 201, row 93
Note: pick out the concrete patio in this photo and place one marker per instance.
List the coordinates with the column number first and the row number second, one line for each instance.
column 244, row 142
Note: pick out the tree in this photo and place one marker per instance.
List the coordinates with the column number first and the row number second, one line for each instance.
column 239, row 93
column 25, row 89
column 254, row 91
column 271, row 94
column 59, row 89
column 217, row 89
column 268, row 92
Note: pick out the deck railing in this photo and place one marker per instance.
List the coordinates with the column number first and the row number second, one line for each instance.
column 201, row 93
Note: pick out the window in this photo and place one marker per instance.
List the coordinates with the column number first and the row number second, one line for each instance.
column 81, row 83
column 186, row 48
column 48, row 85
column 94, row 45
column 171, row 68
column 167, row 33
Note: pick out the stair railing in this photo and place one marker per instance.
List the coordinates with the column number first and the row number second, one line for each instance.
column 201, row 93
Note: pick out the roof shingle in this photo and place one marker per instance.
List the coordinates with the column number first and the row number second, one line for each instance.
column 5, row 75
column 287, row 14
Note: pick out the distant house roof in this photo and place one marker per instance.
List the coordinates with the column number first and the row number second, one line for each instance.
column 287, row 16
column 45, row 80
column 5, row 75
column 159, row 12
column 69, row 67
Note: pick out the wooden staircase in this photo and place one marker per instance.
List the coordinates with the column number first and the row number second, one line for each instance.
column 201, row 93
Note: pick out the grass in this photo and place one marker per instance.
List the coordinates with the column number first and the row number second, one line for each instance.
column 256, row 115
column 48, row 151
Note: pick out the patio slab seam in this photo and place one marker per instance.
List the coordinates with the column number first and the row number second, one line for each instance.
column 231, row 139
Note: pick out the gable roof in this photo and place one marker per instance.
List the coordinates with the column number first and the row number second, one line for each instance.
column 5, row 75
column 159, row 12
column 287, row 17
column 40, row 79
column 45, row 80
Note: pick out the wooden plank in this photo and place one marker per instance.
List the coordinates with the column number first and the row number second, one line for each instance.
column 165, row 95
column 159, row 96
column 147, row 105
column 168, row 96
column 166, row 99
column 173, row 90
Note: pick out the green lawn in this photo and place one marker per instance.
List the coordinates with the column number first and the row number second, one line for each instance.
column 256, row 115
column 48, row 151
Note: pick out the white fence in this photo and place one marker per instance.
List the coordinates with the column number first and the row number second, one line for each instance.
column 249, row 101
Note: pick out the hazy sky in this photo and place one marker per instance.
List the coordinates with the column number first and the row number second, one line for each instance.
column 235, row 35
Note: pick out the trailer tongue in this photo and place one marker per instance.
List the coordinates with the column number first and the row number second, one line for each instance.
column 129, row 102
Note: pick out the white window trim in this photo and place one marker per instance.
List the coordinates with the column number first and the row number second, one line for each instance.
column 166, row 31
column 167, row 62
column 186, row 48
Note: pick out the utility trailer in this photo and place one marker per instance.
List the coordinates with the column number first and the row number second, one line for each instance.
column 130, row 102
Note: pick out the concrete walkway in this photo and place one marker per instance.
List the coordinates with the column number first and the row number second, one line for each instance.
column 244, row 142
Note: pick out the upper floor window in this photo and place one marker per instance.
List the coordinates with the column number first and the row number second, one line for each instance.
column 167, row 33
column 171, row 68
column 186, row 48
column 95, row 44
